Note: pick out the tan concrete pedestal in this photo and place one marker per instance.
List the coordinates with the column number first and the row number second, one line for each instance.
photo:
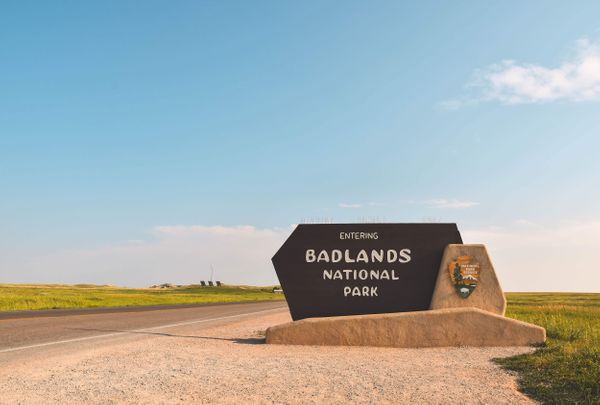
column 487, row 295
column 434, row 328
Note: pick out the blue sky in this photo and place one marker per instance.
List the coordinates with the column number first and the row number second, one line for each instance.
column 133, row 136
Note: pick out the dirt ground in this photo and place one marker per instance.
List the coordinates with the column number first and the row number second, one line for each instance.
column 229, row 363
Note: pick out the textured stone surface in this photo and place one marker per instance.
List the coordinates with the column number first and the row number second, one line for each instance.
column 487, row 295
column 434, row 328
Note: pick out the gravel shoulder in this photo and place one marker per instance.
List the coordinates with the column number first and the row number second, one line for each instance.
column 228, row 363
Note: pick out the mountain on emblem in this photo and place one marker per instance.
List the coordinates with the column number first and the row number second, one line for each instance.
column 464, row 273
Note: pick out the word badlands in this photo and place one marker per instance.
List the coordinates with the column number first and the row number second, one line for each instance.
column 375, row 256
column 346, row 256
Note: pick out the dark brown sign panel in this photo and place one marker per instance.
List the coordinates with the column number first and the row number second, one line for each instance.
column 353, row 269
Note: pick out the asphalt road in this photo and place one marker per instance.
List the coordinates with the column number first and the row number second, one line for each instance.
column 24, row 334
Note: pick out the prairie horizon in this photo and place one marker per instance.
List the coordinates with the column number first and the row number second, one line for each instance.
column 19, row 297
column 54, row 296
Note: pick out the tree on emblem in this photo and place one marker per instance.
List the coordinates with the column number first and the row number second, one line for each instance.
column 457, row 276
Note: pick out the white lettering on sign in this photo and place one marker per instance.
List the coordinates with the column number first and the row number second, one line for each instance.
column 362, row 274
column 362, row 256
column 364, row 291
column 358, row 235
column 404, row 256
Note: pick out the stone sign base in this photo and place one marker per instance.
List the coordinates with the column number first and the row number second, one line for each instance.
column 435, row 328
column 487, row 296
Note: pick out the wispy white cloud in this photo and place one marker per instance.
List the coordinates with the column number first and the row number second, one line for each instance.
column 444, row 203
column 179, row 254
column 361, row 205
column 346, row 205
column 512, row 82
column 376, row 204
column 245, row 231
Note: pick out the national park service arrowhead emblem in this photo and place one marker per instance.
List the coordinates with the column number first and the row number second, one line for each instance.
column 464, row 273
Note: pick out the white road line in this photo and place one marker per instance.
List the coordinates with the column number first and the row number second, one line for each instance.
column 14, row 349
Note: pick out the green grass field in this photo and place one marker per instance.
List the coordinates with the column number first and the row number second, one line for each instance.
column 28, row 297
column 566, row 369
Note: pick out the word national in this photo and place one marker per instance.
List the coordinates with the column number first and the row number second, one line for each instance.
column 374, row 256
column 363, row 274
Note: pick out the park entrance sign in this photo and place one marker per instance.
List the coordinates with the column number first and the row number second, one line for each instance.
column 392, row 285
column 354, row 269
